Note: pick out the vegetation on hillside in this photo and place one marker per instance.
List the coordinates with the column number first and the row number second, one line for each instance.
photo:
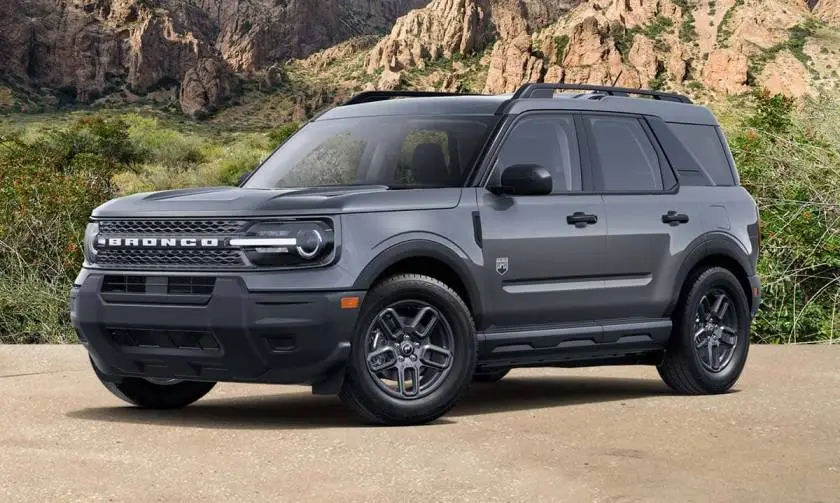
column 55, row 170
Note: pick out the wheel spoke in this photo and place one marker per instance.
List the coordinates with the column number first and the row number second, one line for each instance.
column 390, row 323
column 721, row 306
column 424, row 322
column 382, row 359
column 705, row 307
column 430, row 355
column 712, row 362
column 698, row 342
column 729, row 336
column 404, row 374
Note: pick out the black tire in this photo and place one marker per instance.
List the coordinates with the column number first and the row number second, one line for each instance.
column 148, row 395
column 365, row 395
column 684, row 368
column 490, row 376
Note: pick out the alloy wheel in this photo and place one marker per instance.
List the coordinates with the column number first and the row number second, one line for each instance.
column 716, row 330
column 409, row 349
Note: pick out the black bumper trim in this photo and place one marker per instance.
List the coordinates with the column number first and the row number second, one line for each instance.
column 263, row 337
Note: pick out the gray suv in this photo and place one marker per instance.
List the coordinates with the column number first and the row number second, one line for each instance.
column 394, row 251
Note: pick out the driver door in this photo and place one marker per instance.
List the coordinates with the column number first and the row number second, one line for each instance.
column 542, row 262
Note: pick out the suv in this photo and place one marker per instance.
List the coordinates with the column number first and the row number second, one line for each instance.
column 395, row 250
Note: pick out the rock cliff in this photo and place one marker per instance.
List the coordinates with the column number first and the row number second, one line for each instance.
column 89, row 48
column 723, row 46
column 85, row 49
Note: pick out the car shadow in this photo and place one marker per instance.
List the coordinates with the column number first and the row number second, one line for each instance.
column 305, row 411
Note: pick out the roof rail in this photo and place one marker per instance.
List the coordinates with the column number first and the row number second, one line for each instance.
column 543, row 90
column 370, row 96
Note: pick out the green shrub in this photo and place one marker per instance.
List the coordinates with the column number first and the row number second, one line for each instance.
column 160, row 145
column 33, row 310
column 48, row 188
column 790, row 161
column 282, row 133
column 560, row 44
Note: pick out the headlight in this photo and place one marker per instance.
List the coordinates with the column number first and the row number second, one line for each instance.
column 287, row 244
column 89, row 247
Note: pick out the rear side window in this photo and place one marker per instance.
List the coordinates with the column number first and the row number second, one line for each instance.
column 704, row 144
column 626, row 157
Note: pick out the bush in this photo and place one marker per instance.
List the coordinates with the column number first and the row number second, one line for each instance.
column 282, row 133
column 790, row 161
column 160, row 145
column 48, row 188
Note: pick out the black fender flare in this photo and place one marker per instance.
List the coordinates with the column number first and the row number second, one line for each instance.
column 717, row 243
column 453, row 257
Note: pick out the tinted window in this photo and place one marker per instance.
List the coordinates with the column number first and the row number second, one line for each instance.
column 627, row 159
column 704, row 144
column 547, row 140
column 398, row 151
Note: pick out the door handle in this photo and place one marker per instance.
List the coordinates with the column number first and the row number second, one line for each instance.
column 674, row 218
column 581, row 219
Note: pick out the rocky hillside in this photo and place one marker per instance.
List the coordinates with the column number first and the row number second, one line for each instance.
column 210, row 50
column 722, row 46
column 86, row 49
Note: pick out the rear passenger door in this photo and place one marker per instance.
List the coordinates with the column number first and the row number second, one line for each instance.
column 646, row 218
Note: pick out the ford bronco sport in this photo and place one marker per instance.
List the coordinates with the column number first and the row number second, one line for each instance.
column 395, row 250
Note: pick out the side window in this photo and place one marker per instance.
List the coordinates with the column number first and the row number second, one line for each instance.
column 424, row 158
column 625, row 156
column 704, row 144
column 547, row 140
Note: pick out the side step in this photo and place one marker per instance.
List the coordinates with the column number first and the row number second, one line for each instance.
column 608, row 343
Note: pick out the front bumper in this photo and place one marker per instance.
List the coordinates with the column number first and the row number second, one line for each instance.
column 221, row 333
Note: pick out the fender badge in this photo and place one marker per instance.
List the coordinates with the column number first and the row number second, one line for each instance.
column 502, row 265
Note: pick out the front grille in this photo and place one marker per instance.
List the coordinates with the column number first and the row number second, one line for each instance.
column 134, row 257
column 154, row 338
column 172, row 227
column 190, row 285
column 191, row 258
column 158, row 285
column 124, row 284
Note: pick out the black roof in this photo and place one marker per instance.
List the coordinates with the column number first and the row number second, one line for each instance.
column 670, row 107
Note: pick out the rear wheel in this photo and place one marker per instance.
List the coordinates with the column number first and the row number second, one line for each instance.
column 708, row 349
column 162, row 394
column 413, row 353
column 488, row 376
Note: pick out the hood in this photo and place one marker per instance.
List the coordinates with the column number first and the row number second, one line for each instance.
column 237, row 202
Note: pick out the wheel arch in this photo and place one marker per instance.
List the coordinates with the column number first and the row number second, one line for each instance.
column 427, row 257
column 716, row 251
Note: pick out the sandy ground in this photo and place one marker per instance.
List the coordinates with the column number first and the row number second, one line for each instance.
column 602, row 434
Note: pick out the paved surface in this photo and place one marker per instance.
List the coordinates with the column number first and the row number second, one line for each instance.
column 606, row 434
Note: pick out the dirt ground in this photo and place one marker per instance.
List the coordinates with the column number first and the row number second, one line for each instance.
column 588, row 435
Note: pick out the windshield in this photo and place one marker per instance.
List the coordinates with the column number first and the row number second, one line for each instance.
column 397, row 151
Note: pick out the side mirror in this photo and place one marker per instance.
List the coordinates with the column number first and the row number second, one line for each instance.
column 244, row 177
column 524, row 180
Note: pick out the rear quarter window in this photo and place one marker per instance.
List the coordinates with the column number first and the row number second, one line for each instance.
column 706, row 146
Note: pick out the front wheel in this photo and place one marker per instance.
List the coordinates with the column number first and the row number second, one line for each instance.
column 708, row 348
column 413, row 353
column 172, row 394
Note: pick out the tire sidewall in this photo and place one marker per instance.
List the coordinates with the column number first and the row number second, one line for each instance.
column 464, row 350
column 726, row 281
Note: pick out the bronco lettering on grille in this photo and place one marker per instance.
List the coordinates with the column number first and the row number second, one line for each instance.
column 102, row 242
